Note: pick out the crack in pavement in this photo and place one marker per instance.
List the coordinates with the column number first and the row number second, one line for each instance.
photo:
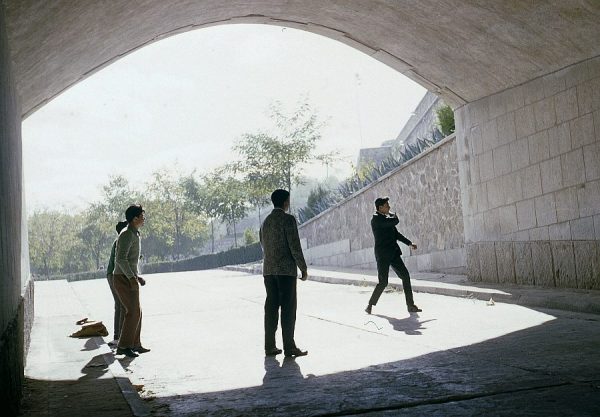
column 440, row 400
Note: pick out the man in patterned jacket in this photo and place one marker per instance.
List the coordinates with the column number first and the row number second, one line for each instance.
column 282, row 255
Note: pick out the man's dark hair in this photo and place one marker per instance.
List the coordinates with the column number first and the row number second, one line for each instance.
column 120, row 226
column 133, row 211
column 380, row 202
column 279, row 197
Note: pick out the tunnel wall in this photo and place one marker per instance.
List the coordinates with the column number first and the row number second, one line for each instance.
column 16, row 290
column 529, row 160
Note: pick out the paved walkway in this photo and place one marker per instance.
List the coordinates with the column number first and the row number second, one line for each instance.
column 460, row 356
column 66, row 376
column 583, row 301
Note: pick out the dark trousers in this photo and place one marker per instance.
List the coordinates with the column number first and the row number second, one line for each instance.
column 119, row 310
column 281, row 292
column 128, row 291
column 383, row 271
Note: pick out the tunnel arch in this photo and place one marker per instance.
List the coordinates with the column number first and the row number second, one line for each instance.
column 517, row 73
column 461, row 50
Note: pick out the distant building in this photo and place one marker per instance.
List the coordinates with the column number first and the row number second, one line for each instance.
column 422, row 124
column 373, row 156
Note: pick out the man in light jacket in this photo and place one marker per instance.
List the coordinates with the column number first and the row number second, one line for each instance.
column 282, row 255
column 127, row 282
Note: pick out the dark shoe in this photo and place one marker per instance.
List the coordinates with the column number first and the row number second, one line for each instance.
column 296, row 352
column 368, row 309
column 140, row 349
column 414, row 309
column 273, row 351
column 127, row 352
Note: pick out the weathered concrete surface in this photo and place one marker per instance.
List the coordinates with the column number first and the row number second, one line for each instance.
column 463, row 50
column 581, row 301
column 459, row 356
column 66, row 376
column 14, row 309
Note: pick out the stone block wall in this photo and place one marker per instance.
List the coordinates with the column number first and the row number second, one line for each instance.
column 529, row 160
column 425, row 192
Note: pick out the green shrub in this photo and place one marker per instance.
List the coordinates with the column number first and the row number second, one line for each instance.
column 445, row 116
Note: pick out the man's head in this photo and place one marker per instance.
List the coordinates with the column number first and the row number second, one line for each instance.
column 382, row 205
column 135, row 215
column 281, row 199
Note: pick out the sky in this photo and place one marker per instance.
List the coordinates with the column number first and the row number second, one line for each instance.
column 184, row 101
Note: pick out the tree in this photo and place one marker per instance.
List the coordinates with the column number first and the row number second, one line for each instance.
column 227, row 197
column 48, row 240
column 271, row 160
column 117, row 195
column 250, row 237
column 203, row 200
column 445, row 116
column 172, row 221
column 97, row 233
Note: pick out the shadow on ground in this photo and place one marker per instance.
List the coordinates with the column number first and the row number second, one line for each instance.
column 410, row 325
column 550, row 370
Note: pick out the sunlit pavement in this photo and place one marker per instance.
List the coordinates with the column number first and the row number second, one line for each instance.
column 458, row 357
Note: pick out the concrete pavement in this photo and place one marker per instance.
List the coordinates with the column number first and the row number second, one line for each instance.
column 583, row 301
column 459, row 357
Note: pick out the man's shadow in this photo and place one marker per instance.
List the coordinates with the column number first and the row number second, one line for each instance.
column 277, row 374
column 410, row 325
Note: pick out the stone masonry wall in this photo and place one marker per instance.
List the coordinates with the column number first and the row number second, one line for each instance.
column 425, row 192
column 530, row 177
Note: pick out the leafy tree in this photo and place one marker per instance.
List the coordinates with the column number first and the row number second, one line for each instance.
column 172, row 223
column 97, row 233
column 226, row 196
column 49, row 237
column 117, row 195
column 250, row 236
column 204, row 198
column 272, row 160
column 445, row 116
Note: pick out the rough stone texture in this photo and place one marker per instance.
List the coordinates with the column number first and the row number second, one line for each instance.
column 546, row 187
column 487, row 259
column 426, row 194
column 564, row 264
column 523, row 263
column 587, row 263
column 543, row 272
column 506, row 263
column 473, row 268
column 56, row 47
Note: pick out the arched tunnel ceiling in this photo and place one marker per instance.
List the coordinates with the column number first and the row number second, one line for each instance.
column 461, row 49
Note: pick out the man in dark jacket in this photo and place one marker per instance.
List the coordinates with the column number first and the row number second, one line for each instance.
column 282, row 258
column 387, row 253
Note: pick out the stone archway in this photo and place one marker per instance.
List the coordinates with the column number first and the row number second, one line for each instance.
column 463, row 50
column 524, row 78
